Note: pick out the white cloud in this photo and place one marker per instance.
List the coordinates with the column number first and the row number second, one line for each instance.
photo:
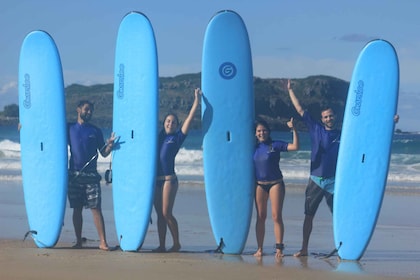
column 8, row 93
column 7, row 87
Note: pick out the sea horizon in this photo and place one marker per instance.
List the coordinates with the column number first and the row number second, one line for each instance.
column 403, row 176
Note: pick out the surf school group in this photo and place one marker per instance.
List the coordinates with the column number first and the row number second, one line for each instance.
column 230, row 134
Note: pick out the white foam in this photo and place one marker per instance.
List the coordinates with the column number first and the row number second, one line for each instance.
column 404, row 168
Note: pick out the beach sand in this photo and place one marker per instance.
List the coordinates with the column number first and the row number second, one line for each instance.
column 393, row 253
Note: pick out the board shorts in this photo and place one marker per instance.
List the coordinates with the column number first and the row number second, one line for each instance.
column 266, row 186
column 313, row 197
column 84, row 190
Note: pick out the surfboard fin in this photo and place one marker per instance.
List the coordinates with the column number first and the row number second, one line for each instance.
column 33, row 235
column 29, row 232
column 219, row 248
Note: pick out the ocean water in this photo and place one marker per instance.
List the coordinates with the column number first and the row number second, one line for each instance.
column 404, row 170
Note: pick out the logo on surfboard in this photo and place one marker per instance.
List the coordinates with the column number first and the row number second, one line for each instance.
column 355, row 110
column 120, row 92
column 27, row 86
column 227, row 70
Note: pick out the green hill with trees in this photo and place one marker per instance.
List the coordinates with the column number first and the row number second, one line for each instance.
column 176, row 95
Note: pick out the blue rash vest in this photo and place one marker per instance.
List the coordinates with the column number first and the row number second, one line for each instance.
column 266, row 160
column 324, row 147
column 84, row 140
column 169, row 145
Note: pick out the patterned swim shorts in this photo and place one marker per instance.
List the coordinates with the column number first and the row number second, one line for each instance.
column 84, row 190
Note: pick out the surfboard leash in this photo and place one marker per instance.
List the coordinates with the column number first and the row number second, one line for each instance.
column 219, row 248
column 333, row 252
column 87, row 163
column 108, row 172
column 96, row 156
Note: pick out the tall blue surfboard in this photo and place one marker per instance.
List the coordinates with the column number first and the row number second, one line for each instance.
column 228, row 136
column 43, row 137
column 135, row 122
column 365, row 148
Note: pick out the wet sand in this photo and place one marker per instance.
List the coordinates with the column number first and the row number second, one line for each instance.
column 393, row 253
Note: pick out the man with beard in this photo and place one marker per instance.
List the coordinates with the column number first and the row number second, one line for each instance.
column 325, row 139
column 84, row 190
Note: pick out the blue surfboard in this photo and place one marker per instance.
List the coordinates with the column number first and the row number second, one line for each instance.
column 228, row 136
column 365, row 148
column 43, row 137
column 135, row 122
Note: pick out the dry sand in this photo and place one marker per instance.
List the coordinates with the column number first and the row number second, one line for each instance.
column 393, row 253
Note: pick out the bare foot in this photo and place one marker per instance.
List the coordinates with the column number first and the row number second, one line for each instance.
column 175, row 248
column 77, row 246
column 104, row 247
column 159, row 250
column 258, row 253
column 301, row 253
column 279, row 253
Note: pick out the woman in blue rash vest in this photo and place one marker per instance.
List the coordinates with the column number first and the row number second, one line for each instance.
column 269, row 181
column 171, row 138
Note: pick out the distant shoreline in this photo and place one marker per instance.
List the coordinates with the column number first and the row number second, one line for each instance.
column 15, row 122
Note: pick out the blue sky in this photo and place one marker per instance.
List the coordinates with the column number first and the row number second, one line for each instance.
column 289, row 39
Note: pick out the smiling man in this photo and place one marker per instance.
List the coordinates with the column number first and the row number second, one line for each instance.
column 84, row 190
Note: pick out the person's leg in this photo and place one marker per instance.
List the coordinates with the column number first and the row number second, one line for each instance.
column 261, row 198
column 98, row 219
column 76, row 194
column 330, row 199
column 77, row 224
column 277, row 194
column 313, row 197
column 170, row 189
column 307, row 229
column 161, row 223
column 94, row 202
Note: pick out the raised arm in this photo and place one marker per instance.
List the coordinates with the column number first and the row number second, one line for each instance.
column 186, row 126
column 294, row 99
column 295, row 145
